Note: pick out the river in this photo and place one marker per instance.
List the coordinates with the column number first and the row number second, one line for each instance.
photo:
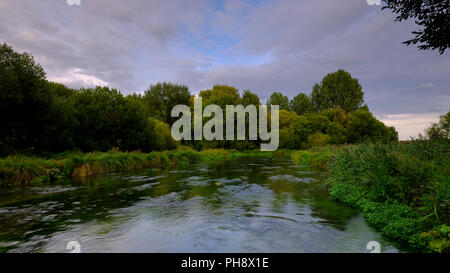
column 245, row 205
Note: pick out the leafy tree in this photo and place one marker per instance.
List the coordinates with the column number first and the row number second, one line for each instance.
column 221, row 95
column 162, row 136
column 306, row 125
column 286, row 118
column 337, row 89
column 301, row 104
column 278, row 99
column 440, row 130
column 362, row 125
column 250, row 98
column 337, row 133
column 60, row 89
column 24, row 101
column 107, row 119
column 433, row 16
column 393, row 134
column 335, row 114
column 162, row 97
column 61, row 123
column 318, row 140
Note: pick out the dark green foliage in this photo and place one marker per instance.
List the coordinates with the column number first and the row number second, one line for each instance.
column 41, row 117
column 162, row 97
column 279, row 99
column 107, row 119
column 337, row 133
column 250, row 98
column 440, row 130
column 432, row 16
column 307, row 125
column 162, row 138
column 403, row 189
column 362, row 125
column 221, row 95
column 301, row 104
column 337, row 89
column 35, row 115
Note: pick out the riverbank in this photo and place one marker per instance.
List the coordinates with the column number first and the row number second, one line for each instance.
column 24, row 170
column 402, row 189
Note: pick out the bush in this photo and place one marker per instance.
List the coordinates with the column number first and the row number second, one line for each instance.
column 403, row 189
column 318, row 139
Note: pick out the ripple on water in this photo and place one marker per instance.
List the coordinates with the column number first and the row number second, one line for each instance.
column 142, row 178
column 291, row 178
column 249, row 206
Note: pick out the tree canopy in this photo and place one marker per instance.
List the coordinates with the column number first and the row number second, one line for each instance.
column 301, row 104
column 337, row 89
column 433, row 16
column 38, row 116
column 278, row 98
column 162, row 97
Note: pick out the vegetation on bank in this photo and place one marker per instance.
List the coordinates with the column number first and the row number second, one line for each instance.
column 39, row 117
column 23, row 170
column 402, row 189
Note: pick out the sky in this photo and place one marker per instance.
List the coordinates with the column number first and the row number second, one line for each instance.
column 262, row 45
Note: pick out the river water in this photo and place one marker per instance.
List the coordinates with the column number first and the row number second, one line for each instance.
column 245, row 205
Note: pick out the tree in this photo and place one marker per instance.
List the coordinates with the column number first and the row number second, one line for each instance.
column 162, row 136
column 107, row 119
column 307, row 125
column 24, row 101
column 318, row 140
column 278, row 99
column 440, row 130
column 286, row 118
column 362, row 125
column 433, row 16
column 250, row 98
column 338, row 89
column 337, row 133
column 221, row 95
column 162, row 97
column 301, row 104
column 335, row 114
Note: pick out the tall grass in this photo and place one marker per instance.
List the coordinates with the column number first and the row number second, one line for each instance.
column 21, row 170
column 317, row 157
column 403, row 189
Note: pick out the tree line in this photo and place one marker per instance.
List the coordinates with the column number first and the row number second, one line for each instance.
column 39, row 116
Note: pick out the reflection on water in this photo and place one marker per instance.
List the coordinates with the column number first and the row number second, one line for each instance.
column 248, row 205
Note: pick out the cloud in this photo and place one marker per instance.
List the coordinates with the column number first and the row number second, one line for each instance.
column 428, row 85
column 410, row 125
column 75, row 77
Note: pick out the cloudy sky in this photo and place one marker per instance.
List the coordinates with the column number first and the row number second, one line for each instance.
column 261, row 45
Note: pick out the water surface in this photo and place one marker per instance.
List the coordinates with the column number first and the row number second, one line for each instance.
column 247, row 205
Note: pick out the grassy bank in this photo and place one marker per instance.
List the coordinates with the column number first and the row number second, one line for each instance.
column 23, row 170
column 403, row 189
